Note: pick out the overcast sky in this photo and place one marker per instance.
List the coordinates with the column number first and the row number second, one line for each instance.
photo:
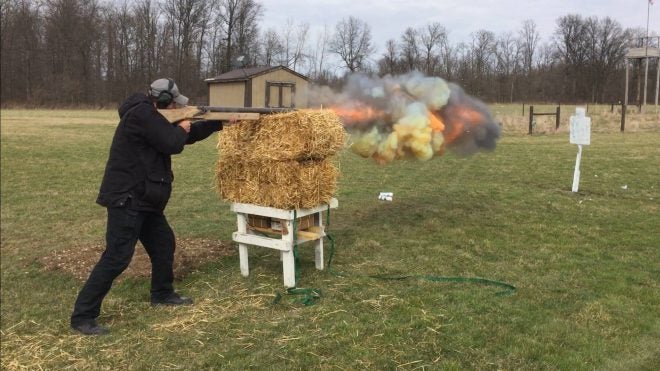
column 389, row 18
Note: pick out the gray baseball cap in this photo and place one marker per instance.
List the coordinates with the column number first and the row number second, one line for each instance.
column 167, row 85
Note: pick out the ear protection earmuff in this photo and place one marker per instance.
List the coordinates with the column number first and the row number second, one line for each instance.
column 165, row 97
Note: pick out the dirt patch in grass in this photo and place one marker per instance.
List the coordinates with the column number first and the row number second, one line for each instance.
column 189, row 254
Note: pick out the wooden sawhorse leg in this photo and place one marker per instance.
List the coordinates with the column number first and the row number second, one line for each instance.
column 288, row 259
column 241, row 221
column 318, row 244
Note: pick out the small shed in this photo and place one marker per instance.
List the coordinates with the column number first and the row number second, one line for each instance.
column 270, row 86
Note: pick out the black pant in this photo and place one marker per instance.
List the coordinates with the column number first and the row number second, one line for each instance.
column 125, row 227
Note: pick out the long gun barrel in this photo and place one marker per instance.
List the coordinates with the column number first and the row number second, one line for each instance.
column 196, row 113
column 265, row 110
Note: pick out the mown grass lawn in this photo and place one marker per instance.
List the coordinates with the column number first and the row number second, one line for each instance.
column 586, row 265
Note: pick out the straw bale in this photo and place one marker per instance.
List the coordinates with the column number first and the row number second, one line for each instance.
column 279, row 184
column 282, row 160
column 297, row 135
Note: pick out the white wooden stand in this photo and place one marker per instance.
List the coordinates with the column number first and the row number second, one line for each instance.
column 245, row 236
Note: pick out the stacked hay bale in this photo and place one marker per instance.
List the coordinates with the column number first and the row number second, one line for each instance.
column 283, row 160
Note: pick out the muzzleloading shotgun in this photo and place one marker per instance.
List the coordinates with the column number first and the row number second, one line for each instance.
column 196, row 113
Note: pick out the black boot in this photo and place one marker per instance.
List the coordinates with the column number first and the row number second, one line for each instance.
column 90, row 328
column 172, row 299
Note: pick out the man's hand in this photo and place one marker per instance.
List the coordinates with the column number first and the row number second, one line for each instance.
column 185, row 125
column 232, row 120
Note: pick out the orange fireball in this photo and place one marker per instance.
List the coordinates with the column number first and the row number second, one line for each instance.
column 356, row 115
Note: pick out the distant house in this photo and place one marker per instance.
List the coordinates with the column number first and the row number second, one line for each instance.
column 271, row 86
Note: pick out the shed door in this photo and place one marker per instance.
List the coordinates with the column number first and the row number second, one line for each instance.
column 280, row 94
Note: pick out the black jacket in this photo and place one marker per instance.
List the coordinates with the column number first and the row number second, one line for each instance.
column 139, row 167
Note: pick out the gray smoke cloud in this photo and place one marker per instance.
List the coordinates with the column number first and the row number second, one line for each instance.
column 409, row 115
column 478, row 129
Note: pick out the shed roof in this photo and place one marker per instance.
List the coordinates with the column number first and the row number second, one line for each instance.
column 243, row 74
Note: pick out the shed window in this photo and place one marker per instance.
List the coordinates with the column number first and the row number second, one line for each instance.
column 280, row 94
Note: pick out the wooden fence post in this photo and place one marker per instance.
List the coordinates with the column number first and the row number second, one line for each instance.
column 623, row 117
column 531, row 118
column 557, row 118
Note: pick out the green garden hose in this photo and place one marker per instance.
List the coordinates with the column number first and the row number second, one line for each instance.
column 311, row 295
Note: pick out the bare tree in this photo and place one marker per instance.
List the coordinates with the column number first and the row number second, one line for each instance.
column 228, row 15
column 318, row 54
column 432, row 37
column 294, row 40
column 21, row 63
column 71, row 35
column 410, row 49
column 528, row 41
column 216, row 43
column 447, row 56
column 571, row 40
column 272, row 47
column 352, row 42
column 507, row 54
column 247, row 31
column 606, row 50
column 482, row 53
column 238, row 19
column 122, row 41
column 145, row 15
column 571, row 43
column 462, row 66
column 388, row 62
column 546, row 67
column 185, row 20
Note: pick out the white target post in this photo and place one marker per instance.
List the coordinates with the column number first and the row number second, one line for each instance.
column 580, row 134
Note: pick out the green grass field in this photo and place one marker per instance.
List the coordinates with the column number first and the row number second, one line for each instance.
column 586, row 265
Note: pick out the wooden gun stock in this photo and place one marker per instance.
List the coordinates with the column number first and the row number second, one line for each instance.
column 195, row 114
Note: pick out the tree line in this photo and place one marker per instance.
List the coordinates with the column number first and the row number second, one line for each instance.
column 93, row 53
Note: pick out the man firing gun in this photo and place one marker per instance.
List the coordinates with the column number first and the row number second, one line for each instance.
column 135, row 189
